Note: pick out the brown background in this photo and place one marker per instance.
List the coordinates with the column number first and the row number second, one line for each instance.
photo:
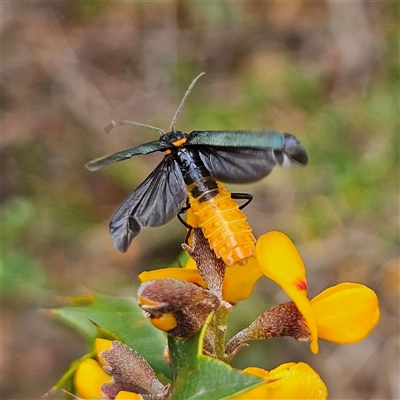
column 324, row 71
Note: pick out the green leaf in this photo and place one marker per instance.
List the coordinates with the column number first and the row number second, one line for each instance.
column 198, row 376
column 183, row 259
column 111, row 317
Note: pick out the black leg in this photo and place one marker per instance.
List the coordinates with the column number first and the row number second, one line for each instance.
column 184, row 223
column 242, row 196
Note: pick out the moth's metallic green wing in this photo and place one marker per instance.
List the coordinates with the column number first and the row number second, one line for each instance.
column 146, row 148
column 244, row 139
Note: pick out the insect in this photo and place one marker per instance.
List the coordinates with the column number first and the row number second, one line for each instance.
column 191, row 170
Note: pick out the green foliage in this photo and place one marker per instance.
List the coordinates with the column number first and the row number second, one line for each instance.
column 20, row 273
column 66, row 381
column 193, row 375
column 116, row 318
column 201, row 377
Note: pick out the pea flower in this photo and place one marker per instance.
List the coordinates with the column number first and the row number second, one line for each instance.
column 176, row 306
column 345, row 313
column 179, row 301
column 288, row 381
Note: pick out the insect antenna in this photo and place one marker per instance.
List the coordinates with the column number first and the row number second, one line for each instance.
column 114, row 124
column 183, row 101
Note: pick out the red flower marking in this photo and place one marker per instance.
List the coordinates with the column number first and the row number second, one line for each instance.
column 301, row 285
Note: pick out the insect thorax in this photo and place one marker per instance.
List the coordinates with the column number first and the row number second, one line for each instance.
column 198, row 180
column 174, row 138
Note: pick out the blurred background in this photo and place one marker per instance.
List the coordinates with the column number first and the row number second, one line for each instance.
column 325, row 71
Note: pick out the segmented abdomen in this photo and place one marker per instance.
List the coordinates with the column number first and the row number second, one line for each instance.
column 225, row 226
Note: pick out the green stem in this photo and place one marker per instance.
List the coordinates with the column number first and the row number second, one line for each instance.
column 221, row 324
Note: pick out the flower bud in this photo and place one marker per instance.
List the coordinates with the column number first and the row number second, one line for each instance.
column 177, row 307
column 130, row 372
column 282, row 320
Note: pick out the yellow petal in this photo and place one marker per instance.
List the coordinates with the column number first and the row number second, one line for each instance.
column 346, row 313
column 165, row 322
column 183, row 274
column 123, row 395
column 191, row 264
column 239, row 280
column 280, row 261
column 288, row 381
column 88, row 378
column 100, row 345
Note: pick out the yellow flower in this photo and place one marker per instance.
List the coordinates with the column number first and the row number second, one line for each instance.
column 123, row 395
column 238, row 282
column 184, row 274
column 100, row 345
column 88, row 379
column 288, row 381
column 344, row 313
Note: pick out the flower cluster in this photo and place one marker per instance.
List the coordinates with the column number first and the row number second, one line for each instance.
column 129, row 377
column 344, row 313
column 179, row 301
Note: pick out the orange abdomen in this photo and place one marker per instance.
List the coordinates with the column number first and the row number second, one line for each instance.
column 225, row 227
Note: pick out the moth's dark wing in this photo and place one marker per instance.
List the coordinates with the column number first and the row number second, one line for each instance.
column 156, row 201
column 244, row 157
column 237, row 165
column 293, row 152
column 146, row 148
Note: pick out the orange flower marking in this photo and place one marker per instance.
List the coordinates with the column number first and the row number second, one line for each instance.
column 301, row 285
